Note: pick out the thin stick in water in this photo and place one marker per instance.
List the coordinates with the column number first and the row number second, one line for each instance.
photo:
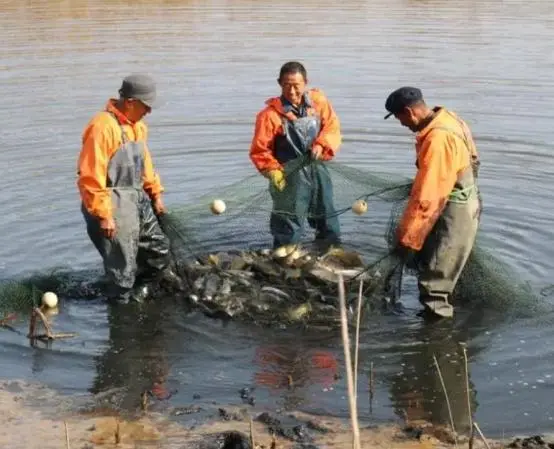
column 144, row 400
column 468, row 396
column 32, row 324
column 371, row 387
column 349, row 376
column 481, row 434
column 252, row 434
column 45, row 322
column 66, row 435
column 117, row 434
column 360, row 295
column 447, row 400
column 59, row 336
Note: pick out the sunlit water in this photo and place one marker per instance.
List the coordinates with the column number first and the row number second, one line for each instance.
column 216, row 63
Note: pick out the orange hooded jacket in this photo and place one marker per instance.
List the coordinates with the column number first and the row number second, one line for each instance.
column 101, row 139
column 269, row 125
column 442, row 154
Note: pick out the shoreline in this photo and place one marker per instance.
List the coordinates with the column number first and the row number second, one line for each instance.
column 34, row 416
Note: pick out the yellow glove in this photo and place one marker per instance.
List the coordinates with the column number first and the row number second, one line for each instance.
column 277, row 178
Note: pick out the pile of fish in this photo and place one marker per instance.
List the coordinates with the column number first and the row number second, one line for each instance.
column 266, row 287
column 286, row 285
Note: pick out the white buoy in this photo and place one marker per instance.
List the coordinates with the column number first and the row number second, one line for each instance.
column 217, row 207
column 50, row 300
column 359, row 207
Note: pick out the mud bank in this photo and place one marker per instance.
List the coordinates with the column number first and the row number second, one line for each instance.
column 33, row 416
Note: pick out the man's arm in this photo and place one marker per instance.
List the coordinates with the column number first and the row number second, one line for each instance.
column 151, row 180
column 329, row 137
column 434, row 181
column 261, row 148
column 93, row 169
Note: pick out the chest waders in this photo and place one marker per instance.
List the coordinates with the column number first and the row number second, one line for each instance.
column 308, row 194
column 449, row 244
column 139, row 246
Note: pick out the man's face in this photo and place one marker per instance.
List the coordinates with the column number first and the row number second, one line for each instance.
column 136, row 109
column 407, row 118
column 293, row 86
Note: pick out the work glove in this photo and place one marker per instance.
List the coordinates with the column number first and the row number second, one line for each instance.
column 277, row 178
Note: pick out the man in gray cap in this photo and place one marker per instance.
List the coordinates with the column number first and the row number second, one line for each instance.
column 122, row 194
column 441, row 219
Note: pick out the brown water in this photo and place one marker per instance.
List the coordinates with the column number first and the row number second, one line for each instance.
column 216, row 62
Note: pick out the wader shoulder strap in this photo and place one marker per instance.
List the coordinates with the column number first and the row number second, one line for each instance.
column 124, row 138
column 461, row 195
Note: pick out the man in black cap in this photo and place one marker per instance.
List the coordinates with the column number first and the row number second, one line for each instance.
column 122, row 194
column 441, row 220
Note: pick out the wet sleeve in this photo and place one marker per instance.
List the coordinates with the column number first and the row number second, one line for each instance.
column 434, row 181
column 261, row 148
column 93, row 170
column 151, row 180
column 330, row 136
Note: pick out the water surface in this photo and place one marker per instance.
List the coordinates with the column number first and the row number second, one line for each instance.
column 216, row 62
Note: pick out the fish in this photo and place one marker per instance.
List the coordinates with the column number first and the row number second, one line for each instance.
column 273, row 294
column 257, row 286
column 299, row 312
column 211, row 286
column 225, row 288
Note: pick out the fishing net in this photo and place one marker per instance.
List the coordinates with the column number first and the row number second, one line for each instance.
column 19, row 296
column 231, row 270
column 223, row 251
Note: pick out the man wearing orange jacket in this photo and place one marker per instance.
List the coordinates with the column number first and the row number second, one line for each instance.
column 293, row 137
column 121, row 194
column 441, row 219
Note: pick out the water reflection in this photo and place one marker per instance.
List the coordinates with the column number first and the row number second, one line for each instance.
column 136, row 360
column 290, row 369
column 480, row 57
column 416, row 390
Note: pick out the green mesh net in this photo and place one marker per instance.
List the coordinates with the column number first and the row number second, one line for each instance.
column 231, row 270
column 19, row 296
column 223, row 252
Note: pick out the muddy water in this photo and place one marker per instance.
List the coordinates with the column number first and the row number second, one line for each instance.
column 216, row 62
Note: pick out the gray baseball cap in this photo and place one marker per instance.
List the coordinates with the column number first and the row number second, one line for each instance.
column 140, row 87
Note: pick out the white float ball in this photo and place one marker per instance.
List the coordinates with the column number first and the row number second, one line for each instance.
column 50, row 300
column 359, row 207
column 218, row 207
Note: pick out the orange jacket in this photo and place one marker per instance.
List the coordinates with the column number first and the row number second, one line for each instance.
column 269, row 125
column 101, row 139
column 441, row 155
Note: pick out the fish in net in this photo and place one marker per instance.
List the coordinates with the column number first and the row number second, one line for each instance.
column 232, row 268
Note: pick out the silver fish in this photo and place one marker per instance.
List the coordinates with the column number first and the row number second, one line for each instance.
column 275, row 292
column 225, row 287
column 198, row 285
column 211, row 286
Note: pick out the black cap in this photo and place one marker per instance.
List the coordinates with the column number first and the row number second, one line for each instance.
column 139, row 87
column 402, row 98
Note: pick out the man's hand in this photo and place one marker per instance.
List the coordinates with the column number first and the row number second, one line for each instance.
column 107, row 225
column 317, row 152
column 158, row 206
column 277, row 179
